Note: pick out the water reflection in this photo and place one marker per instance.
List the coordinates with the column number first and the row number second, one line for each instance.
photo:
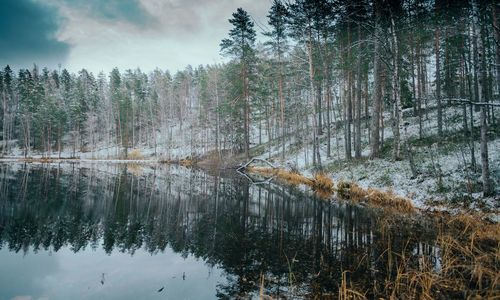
column 265, row 236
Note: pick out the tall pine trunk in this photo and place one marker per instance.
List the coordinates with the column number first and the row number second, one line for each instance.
column 482, row 86
column 377, row 87
column 438, row 84
column 357, row 144
column 397, row 110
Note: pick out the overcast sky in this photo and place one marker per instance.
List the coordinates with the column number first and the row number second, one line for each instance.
column 102, row 34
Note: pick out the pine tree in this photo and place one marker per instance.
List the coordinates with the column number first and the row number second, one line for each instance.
column 240, row 46
column 278, row 20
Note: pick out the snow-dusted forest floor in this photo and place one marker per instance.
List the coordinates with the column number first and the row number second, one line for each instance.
column 444, row 179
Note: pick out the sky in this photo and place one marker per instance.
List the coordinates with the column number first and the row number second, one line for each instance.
column 99, row 35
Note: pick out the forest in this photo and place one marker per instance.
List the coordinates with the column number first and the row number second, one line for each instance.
column 323, row 83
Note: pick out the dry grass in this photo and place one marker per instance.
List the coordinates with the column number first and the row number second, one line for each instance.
column 135, row 169
column 135, row 155
column 323, row 187
column 476, row 226
column 283, row 175
column 389, row 200
column 470, row 247
column 374, row 197
column 469, row 256
column 186, row 162
column 350, row 191
column 166, row 161
column 321, row 184
column 346, row 292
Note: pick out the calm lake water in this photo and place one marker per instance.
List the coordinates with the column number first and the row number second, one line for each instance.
column 109, row 231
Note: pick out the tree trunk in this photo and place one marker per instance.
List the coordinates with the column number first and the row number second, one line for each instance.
column 496, row 29
column 357, row 144
column 485, row 171
column 377, row 91
column 217, row 122
column 348, row 143
column 397, row 112
column 319, row 109
column 419, row 89
column 328, row 118
column 412, row 66
column 438, row 85
column 4, row 125
column 246, row 113
column 482, row 86
column 315, row 140
column 282, row 107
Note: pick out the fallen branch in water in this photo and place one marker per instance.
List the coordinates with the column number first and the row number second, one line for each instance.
column 245, row 166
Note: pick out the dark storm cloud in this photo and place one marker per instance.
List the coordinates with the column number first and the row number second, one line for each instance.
column 129, row 11
column 28, row 34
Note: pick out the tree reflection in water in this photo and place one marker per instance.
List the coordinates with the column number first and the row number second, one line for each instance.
column 299, row 245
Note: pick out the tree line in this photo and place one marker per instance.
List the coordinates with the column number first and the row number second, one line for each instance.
column 329, row 74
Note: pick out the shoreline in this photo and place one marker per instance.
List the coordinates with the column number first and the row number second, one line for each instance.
column 324, row 186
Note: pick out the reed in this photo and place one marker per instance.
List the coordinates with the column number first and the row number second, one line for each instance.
column 346, row 292
column 469, row 256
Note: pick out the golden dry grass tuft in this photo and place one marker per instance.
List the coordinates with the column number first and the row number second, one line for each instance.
column 344, row 189
column 374, row 197
column 283, row 175
column 293, row 177
column 186, row 162
column 135, row 169
column 390, row 200
column 135, row 155
column 477, row 226
column 322, row 182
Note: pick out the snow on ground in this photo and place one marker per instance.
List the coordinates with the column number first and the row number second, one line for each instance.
column 397, row 176
column 444, row 170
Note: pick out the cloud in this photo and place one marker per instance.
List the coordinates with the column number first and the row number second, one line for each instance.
column 29, row 34
column 130, row 11
column 102, row 34
column 186, row 18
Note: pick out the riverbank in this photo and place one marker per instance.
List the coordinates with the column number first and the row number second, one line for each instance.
column 444, row 184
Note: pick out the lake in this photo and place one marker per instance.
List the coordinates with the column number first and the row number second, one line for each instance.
column 115, row 231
